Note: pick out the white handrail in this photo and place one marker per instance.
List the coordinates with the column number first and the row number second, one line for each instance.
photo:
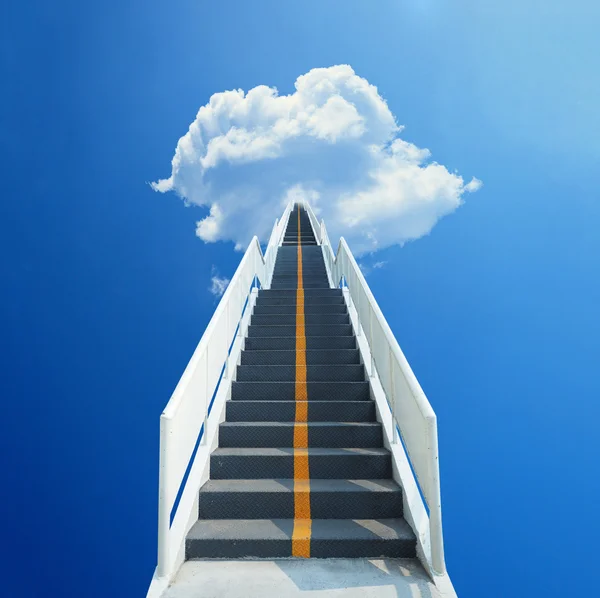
column 284, row 222
column 185, row 424
column 411, row 412
column 313, row 221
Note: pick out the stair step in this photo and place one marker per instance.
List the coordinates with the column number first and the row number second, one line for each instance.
column 286, row 391
column 296, row 243
column 328, row 292
column 336, row 330
column 272, row 538
column 289, row 343
column 292, row 279
column 326, row 463
column 309, row 255
column 292, row 270
column 290, row 309
column 288, row 300
column 308, row 282
column 306, row 285
column 313, row 357
column 307, row 274
column 310, row 319
column 274, row 499
column 314, row 373
column 281, row 434
column 285, row 411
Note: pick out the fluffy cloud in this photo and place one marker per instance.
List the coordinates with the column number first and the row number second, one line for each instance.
column 333, row 141
column 218, row 284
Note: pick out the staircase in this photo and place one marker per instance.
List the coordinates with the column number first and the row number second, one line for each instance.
column 300, row 469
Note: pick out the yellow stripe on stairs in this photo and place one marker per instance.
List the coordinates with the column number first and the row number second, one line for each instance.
column 302, row 520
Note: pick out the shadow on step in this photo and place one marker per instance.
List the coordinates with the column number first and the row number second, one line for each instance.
column 403, row 578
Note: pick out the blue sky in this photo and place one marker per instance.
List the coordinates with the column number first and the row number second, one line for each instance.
column 106, row 285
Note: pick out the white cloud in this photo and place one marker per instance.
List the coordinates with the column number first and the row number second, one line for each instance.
column 366, row 269
column 333, row 141
column 218, row 284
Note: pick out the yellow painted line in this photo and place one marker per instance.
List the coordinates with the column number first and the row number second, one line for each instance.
column 302, row 519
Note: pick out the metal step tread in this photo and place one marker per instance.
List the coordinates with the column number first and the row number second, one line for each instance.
column 286, row 485
column 269, row 343
column 282, row 529
column 313, row 357
column 284, row 424
column 307, row 351
column 289, row 452
column 312, row 337
column 285, row 410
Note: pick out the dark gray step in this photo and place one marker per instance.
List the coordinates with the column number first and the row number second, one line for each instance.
column 284, row 286
column 290, row 293
column 326, row 463
column 308, row 300
column 274, row 499
column 311, row 308
column 313, row 357
column 308, row 264
column 289, row 342
column 288, row 252
column 293, row 278
column 272, row 538
column 295, row 243
column 314, row 373
column 306, row 273
column 339, row 330
column 292, row 284
column 291, row 259
column 307, row 268
column 285, row 411
column 314, row 251
column 306, row 278
column 310, row 319
column 308, row 260
column 281, row 434
column 286, row 391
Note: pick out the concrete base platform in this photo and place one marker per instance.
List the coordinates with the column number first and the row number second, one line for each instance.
column 314, row 578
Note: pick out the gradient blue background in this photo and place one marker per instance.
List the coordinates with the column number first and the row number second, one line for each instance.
column 104, row 292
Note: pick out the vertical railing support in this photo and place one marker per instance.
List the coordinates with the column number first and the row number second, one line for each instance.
column 357, row 307
column 239, row 331
column 162, row 568
column 371, row 341
column 392, row 395
column 205, row 435
column 226, row 375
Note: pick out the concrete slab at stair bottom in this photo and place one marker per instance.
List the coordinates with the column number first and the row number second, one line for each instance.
column 314, row 578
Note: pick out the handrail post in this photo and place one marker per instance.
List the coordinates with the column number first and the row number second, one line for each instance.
column 239, row 331
column 435, row 506
column 371, row 341
column 226, row 375
column 357, row 307
column 205, row 435
column 163, row 503
column 392, row 396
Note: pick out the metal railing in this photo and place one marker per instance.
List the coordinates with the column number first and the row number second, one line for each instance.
column 411, row 412
column 185, row 423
